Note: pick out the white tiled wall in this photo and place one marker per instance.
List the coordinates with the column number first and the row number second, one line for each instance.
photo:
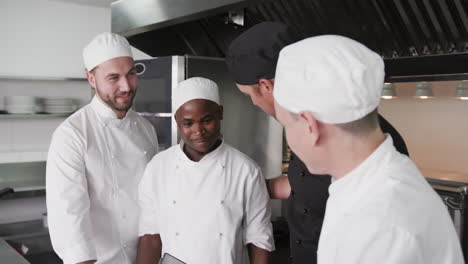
column 46, row 38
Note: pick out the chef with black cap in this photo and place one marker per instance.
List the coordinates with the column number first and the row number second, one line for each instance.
column 252, row 59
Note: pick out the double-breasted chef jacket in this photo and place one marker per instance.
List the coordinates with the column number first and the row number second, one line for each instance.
column 207, row 211
column 308, row 199
column 94, row 165
column 384, row 211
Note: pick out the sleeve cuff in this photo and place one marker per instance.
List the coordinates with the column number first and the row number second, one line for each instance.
column 79, row 253
column 147, row 229
column 265, row 243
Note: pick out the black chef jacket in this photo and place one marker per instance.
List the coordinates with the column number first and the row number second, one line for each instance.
column 307, row 202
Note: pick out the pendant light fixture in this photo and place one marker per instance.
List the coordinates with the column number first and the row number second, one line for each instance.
column 388, row 91
column 462, row 90
column 423, row 90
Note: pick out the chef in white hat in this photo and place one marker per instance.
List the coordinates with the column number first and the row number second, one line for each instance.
column 95, row 162
column 380, row 208
column 202, row 201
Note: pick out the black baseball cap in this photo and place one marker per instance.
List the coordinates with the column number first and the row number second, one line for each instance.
column 254, row 54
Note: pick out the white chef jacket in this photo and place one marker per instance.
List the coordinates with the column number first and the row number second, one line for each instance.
column 206, row 211
column 94, row 165
column 384, row 211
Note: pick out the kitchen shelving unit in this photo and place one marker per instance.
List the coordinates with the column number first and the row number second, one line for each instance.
column 32, row 116
column 40, row 78
column 23, row 156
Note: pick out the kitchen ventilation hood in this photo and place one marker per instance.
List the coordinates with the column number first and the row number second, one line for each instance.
column 419, row 39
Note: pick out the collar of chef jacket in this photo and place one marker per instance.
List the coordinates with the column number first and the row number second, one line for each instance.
column 106, row 115
column 349, row 189
column 213, row 156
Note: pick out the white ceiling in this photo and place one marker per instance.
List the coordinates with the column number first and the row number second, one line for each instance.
column 101, row 3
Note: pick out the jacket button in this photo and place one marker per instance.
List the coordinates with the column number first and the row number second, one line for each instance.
column 302, row 173
column 292, row 193
column 305, row 211
column 298, row 241
column 290, row 259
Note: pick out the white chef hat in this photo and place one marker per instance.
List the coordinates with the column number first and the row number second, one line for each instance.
column 335, row 78
column 195, row 88
column 104, row 47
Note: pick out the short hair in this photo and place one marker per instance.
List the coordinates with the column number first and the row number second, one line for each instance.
column 360, row 127
column 254, row 54
column 363, row 126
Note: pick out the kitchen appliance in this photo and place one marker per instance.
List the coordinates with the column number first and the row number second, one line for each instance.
column 22, row 104
column 455, row 197
column 244, row 126
column 419, row 40
column 59, row 105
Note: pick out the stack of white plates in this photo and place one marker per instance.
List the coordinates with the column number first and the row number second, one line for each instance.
column 22, row 104
column 59, row 105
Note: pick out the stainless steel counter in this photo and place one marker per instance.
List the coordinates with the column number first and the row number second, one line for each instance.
column 33, row 236
column 9, row 256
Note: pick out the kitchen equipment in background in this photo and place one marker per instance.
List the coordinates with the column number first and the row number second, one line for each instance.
column 462, row 90
column 424, row 90
column 388, row 91
column 417, row 39
column 22, row 104
column 455, row 197
column 59, row 105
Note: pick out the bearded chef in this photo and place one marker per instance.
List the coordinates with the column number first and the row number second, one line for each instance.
column 203, row 201
column 96, row 159
column 380, row 208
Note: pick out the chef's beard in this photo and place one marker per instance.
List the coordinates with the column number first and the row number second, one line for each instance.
column 112, row 101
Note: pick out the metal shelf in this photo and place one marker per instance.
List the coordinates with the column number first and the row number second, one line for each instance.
column 27, row 185
column 4, row 115
column 39, row 78
column 23, row 156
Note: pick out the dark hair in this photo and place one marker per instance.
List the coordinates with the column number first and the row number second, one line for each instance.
column 254, row 54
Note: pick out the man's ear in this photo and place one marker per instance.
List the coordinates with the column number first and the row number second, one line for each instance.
column 313, row 126
column 91, row 79
column 266, row 86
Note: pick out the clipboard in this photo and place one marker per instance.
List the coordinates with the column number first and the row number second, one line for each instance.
column 169, row 259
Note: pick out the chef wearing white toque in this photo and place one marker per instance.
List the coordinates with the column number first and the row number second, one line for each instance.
column 95, row 162
column 203, row 201
column 380, row 208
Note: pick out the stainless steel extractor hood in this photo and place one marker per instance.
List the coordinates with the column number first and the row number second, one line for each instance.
column 419, row 39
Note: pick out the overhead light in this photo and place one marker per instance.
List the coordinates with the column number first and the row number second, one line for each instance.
column 388, row 91
column 462, row 90
column 423, row 90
